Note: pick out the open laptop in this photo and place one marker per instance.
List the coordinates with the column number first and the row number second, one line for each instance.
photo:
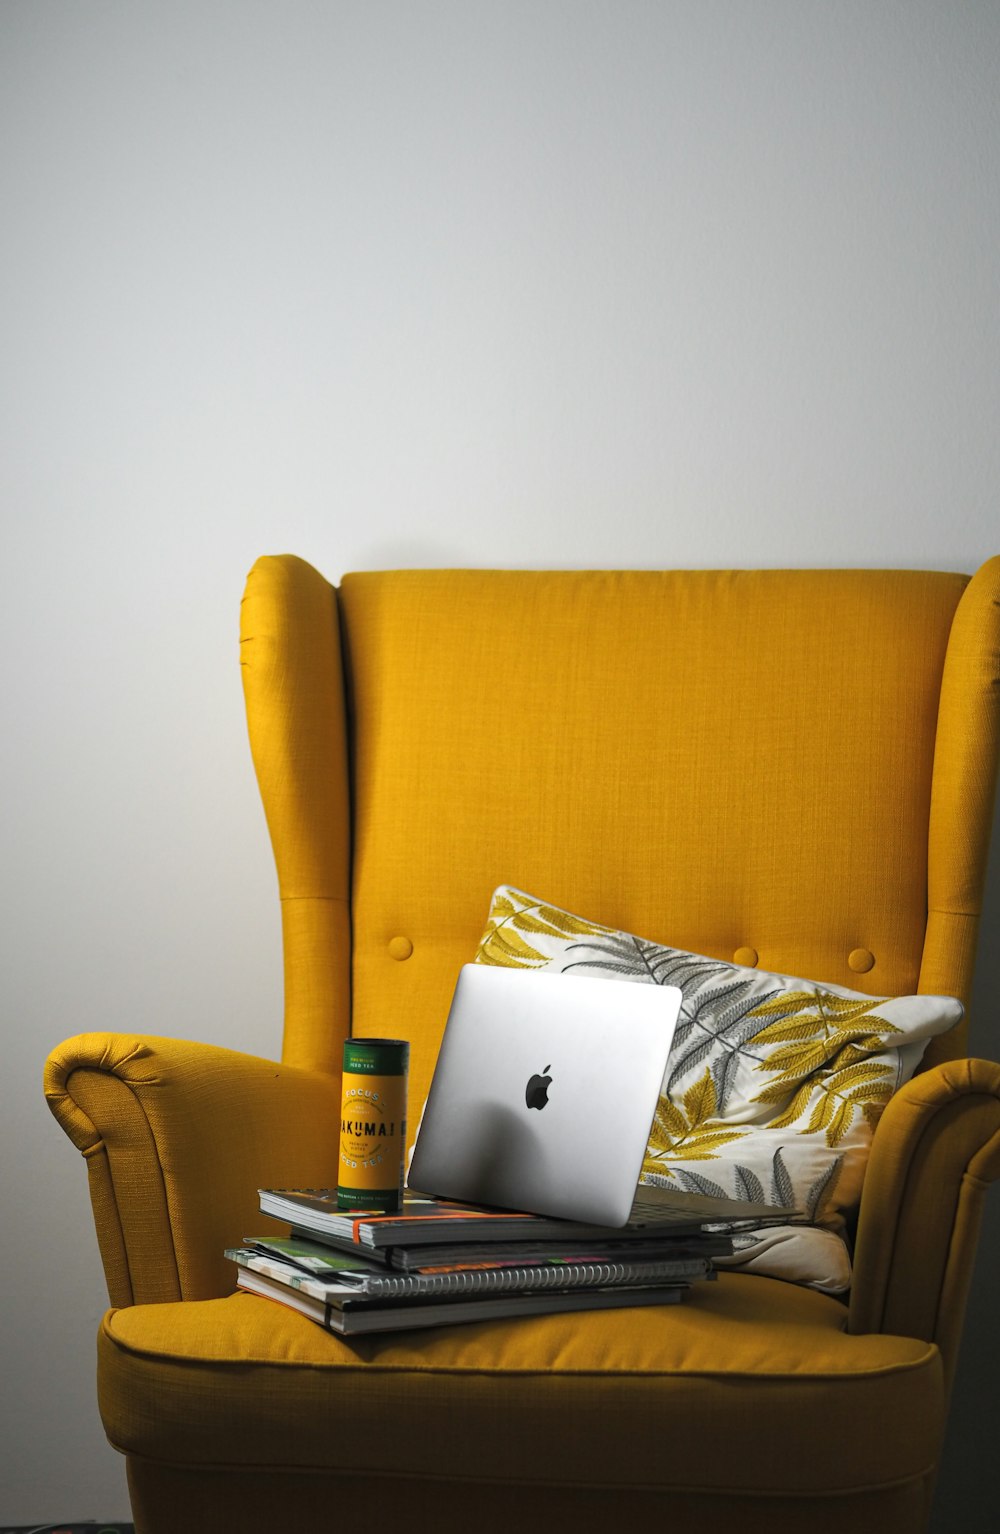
column 544, row 1092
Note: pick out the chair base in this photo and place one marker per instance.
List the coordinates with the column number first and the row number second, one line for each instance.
column 165, row 1499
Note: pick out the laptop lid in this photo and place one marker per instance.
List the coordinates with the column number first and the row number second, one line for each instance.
column 544, row 1092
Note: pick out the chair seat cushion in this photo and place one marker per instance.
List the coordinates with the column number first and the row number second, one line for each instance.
column 641, row 1397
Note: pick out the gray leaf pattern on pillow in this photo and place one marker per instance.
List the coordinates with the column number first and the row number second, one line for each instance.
column 774, row 1083
column 715, row 1017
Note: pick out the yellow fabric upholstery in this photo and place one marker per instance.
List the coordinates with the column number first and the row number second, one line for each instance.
column 964, row 786
column 302, row 771
column 938, row 1149
column 708, row 757
column 178, row 1137
column 793, row 769
column 201, row 1500
column 483, row 1398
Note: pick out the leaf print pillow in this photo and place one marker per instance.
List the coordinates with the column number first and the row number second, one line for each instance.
column 773, row 1086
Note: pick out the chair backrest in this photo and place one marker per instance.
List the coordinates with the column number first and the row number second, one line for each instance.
column 799, row 763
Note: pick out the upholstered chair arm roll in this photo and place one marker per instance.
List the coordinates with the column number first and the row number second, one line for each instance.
column 936, row 1150
column 177, row 1138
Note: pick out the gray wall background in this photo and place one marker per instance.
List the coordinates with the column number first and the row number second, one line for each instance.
column 562, row 283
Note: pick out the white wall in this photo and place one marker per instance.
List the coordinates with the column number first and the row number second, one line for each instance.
column 535, row 282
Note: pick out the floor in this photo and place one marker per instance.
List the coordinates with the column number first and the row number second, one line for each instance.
column 67, row 1528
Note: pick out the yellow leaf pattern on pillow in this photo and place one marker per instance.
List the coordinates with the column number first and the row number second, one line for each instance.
column 688, row 1131
column 774, row 1083
column 504, row 942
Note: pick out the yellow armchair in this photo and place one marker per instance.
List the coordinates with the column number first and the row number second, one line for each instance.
column 799, row 762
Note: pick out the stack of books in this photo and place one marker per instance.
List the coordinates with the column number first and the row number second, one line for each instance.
column 439, row 1263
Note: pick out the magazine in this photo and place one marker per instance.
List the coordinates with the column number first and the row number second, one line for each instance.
column 353, row 1314
column 341, row 1274
column 315, row 1255
column 424, row 1220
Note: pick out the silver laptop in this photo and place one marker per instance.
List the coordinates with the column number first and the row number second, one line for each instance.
column 544, row 1092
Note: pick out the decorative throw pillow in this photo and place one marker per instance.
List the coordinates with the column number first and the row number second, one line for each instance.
column 773, row 1086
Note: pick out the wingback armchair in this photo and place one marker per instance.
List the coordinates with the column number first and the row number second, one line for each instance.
column 797, row 763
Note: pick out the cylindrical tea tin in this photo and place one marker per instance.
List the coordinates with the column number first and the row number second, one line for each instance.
column 373, row 1124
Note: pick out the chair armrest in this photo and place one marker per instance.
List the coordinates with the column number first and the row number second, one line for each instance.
column 177, row 1138
column 935, row 1152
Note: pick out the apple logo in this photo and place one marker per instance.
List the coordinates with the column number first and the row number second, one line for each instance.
column 536, row 1093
